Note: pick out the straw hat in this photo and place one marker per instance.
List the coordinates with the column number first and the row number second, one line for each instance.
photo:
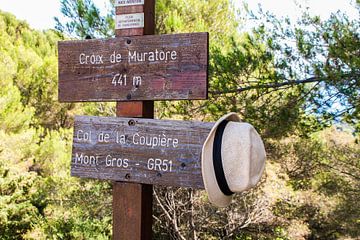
column 233, row 159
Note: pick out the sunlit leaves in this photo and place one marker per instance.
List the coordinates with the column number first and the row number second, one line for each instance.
column 83, row 19
column 322, row 48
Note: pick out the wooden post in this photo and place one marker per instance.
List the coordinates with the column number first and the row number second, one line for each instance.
column 132, row 202
column 170, row 67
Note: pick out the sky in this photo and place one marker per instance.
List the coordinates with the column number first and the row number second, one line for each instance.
column 40, row 13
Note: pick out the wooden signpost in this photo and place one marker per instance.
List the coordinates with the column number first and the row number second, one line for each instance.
column 153, row 67
column 139, row 150
column 135, row 70
column 132, row 202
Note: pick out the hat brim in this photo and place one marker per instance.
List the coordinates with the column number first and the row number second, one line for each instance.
column 216, row 196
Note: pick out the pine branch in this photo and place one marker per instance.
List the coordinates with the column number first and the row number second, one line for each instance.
column 270, row 85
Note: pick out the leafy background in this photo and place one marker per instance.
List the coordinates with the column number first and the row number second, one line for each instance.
column 298, row 84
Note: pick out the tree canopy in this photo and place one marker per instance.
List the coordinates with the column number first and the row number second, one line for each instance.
column 322, row 55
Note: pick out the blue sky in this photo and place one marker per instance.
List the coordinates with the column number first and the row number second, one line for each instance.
column 40, row 13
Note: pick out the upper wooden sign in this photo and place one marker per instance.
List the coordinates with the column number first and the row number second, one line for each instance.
column 153, row 67
column 139, row 150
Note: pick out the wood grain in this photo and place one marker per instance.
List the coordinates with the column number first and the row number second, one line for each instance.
column 132, row 206
column 183, row 145
column 184, row 76
column 149, row 19
column 137, row 109
column 132, row 202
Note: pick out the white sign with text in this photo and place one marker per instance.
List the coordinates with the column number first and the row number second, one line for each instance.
column 124, row 3
column 126, row 21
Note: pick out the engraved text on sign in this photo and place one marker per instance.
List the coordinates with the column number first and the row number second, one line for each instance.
column 160, row 67
column 139, row 150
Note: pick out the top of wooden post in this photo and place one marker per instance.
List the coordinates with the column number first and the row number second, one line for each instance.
column 130, row 67
column 132, row 203
column 140, row 13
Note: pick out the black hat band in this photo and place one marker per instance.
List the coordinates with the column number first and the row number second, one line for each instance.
column 217, row 160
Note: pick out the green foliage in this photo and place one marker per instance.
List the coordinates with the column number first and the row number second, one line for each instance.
column 17, row 211
column 321, row 53
column 28, row 66
column 89, row 21
column 10, row 107
column 216, row 17
column 38, row 198
column 325, row 170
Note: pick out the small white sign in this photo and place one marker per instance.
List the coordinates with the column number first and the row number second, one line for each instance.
column 134, row 20
column 124, row 3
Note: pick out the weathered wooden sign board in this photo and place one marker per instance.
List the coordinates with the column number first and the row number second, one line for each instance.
column 153, row 67
column 139, row 150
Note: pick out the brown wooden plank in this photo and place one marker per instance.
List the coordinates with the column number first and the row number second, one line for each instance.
column 174, row 67
column 132, row 202
column 132, row 205
column 145, row 151
column 135, row 109
column 149, row 19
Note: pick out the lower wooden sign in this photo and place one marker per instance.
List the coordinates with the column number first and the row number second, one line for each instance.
column 146, row 151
